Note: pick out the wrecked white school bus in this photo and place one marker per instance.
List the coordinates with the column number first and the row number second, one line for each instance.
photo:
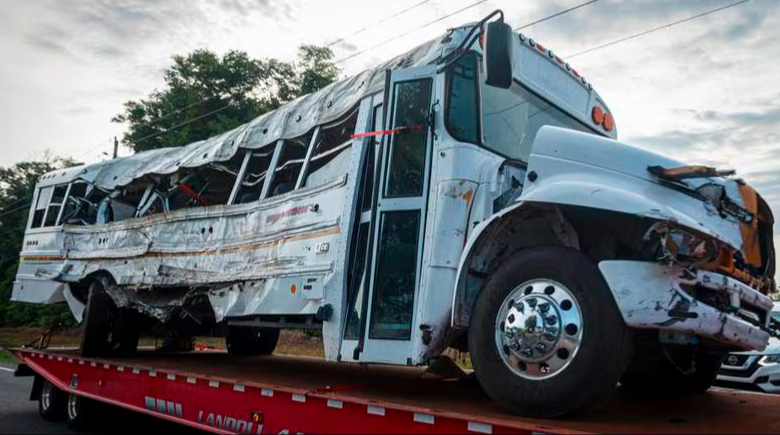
column 470, row 193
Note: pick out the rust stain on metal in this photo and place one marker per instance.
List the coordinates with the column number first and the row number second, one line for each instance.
column 467, row 195
column 751, row 247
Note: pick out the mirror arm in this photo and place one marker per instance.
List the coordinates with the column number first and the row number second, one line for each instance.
column 469, row 40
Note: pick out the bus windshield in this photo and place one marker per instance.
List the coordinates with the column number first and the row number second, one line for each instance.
column 508, row 119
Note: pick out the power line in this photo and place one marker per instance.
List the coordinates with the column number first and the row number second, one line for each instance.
column 655, row 29
column 557, row 14
column 384, row 20
column 181, row 124
column 23, row 207
column 409, row 32
column 168, row 115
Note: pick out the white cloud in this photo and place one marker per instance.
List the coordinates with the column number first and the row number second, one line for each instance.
column 705, row 91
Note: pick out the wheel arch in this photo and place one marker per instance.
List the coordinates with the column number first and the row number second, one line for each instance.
column 536, row 224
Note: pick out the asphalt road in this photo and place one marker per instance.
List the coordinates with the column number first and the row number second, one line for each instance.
column 18, row 415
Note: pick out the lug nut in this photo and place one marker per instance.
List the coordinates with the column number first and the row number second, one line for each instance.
column 528, row 352
column 532, row 302
column 549, row 337
column 515, row 346
column 552, row 320
column 540, row 347
column 545, row 307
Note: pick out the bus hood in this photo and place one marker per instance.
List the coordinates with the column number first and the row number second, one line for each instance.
column 575, row 168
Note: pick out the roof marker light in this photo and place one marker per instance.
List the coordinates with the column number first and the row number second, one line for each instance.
column 598, row 115
column 541, row 48
column 576, row 74
column 608, row 122
column 559, row 60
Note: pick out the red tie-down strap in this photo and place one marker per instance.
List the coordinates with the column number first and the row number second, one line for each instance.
column 383, row 132
column 193, row 194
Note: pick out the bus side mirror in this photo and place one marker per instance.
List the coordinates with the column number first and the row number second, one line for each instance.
column 498, row 54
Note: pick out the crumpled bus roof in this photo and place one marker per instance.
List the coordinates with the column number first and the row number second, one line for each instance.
column 288, row 121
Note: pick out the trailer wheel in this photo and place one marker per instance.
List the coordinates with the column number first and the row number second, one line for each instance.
column 546, row 337
column 51, row 402
column 81, row 413
column 247, row 341
column 682, row 370
column 99, row 319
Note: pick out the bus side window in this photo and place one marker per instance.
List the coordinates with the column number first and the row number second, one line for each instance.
column 329, row 159
column 462, row 108
column 287, row 169
column 256, row 172
column 44, row 195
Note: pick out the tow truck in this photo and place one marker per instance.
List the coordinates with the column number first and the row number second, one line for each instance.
column 468, row 194
column 218, row 393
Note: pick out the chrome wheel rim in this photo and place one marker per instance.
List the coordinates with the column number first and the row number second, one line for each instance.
column 73, row 405
column 539, row 329
column 46, row 393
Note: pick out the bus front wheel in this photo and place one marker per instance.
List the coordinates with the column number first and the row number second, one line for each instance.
column 546, row 337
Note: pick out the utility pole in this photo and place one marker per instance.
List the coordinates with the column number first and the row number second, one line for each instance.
column 116, row 147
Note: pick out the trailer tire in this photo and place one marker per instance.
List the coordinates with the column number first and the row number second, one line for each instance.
column 99, row 317
column 81, row 413
column 248, row 341
column 561, row 287
column 677, row 370
column 51, row 402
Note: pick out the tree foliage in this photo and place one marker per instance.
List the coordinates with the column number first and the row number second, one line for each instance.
column 17, row 184
column 205, row 95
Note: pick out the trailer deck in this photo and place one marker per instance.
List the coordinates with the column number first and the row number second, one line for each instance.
column 224, row 394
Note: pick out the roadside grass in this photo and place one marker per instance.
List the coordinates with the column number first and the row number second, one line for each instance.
column 6, row 357
column 295, row 343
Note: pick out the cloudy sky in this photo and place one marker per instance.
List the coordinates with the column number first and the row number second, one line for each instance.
column 706, row 91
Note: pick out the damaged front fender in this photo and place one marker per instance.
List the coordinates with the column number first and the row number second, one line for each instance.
column 655, row 296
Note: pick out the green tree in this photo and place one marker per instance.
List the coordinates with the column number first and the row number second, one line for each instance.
column 17, row 184
column 205, row 95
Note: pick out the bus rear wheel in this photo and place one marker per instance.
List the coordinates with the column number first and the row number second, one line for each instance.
column 107, row 329
column 546, row 337
column 248, row 341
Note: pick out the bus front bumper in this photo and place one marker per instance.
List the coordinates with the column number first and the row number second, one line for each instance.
column 651, row 296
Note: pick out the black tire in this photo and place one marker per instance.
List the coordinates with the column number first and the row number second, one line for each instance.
column 108, row 330
column 679, row 370
column 51, row 402
column 81, row 413
column 247, row 341
column 99, row 317
column 126, row 332
column 604, row 349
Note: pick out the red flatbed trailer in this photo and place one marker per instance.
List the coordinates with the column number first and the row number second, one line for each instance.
column 222, row 394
